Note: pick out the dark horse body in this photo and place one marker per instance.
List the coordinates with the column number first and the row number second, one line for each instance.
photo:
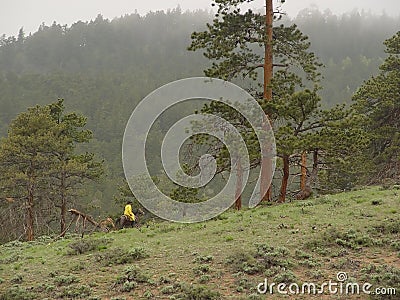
column 124, row 222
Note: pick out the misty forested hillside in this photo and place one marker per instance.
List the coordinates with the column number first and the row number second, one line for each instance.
column 350, row 46
column 103, row 68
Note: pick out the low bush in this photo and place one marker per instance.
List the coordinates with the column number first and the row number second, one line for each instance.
column 382, row 275
column 131, row 278
column 334, row 237
column 121, row 256
column 76, row 292
column 17, row 293
column 285, row 277
column 242, row 261
column 86, row 245
column 391, row 226
column 269, row 256
column 65, row 280
column 265, row 257
column 201, row 269
column 203, row 259
column 17, row 279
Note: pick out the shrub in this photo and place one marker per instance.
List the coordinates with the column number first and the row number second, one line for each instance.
column 138, row 253
column 78, row 267
column 264, row 258
column 201, row 269
column 17, row 279
column 183, row 291
column 395, row 245
column 165, row 279
column 301, row 254
column 167, row 290
column 76, row 292
column 204, row 278
column 200, row 292
column 49, row 288
column 130, row 279
column 14, row 244
column 228, row 238
column 285, row 277
column 317, row 274
column 244, row 284
column 334, row 237
column 383, row 275
column 243, row 262
column 309, row 263
column 204, row 259
column 133, row 273
column 271, row 257
column 388, row 227
column 148, row 294
column 11, row 259
column 127, row 286
column 17, row 293
column 273, row 271
column 86, row 245
column 65, row 280
column 195, row 292
column 120, row 256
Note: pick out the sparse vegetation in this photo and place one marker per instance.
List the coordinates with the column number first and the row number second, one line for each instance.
column 88, row 244
column 65, row 280
column 131, row 278
column 197, row 263
column 103, row 69
column 121, row 256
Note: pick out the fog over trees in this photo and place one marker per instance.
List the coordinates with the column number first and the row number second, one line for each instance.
column 103, row 68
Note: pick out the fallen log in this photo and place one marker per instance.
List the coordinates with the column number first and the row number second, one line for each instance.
column 84, row 217
column 80, row 217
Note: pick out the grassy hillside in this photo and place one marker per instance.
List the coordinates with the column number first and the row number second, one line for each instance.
column 304, row 241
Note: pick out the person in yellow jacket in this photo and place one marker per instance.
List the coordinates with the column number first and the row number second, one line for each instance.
column 128, row 212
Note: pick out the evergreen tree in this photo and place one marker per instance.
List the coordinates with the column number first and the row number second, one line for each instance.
column 379, row 100
column 26, row 159
column 71, row 169
column 39, row 163
column 239, row 44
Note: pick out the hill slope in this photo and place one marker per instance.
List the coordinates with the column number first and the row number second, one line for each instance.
column 309, row 241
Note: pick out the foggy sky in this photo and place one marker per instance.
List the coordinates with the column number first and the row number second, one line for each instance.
column 29, row 14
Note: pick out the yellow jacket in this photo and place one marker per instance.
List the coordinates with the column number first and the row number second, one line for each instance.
column 128, row 212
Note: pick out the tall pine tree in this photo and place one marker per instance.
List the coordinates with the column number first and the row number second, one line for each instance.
column 39, row 163
column 240, row 44
column 379, row 100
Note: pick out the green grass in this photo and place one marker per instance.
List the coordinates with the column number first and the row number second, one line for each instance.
column 304, row 241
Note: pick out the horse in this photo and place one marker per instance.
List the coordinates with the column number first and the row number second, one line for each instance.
column 124, row 222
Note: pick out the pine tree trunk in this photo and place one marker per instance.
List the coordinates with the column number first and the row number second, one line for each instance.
column 266, row 162
column 285, row 178
column 29, row 215
column 63, row 205
column 314, row 172
column 239, row 185
column 303, row 178
column 305, row 181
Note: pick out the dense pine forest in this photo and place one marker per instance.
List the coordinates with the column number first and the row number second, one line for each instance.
column 102, row 69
